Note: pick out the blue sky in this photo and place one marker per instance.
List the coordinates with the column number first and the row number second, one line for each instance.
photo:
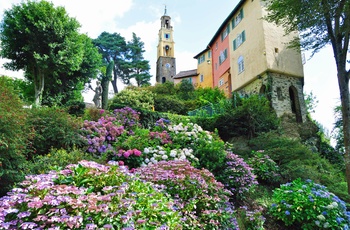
column 194, row 23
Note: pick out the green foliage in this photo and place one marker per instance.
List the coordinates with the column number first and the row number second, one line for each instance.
column 53, row 128
column 76, row 108
column 298, row 161
column 251, row 117
column 56, row 159
column 266, row 170
column 114, row 48
column 169, row 104
column 138, row 67
column 13, row 136
column 168, row 88
column 252, row 220
column 307, row 205
column 186, row 89
column 209, row 95
column 92, row 196
column 23, row 88
column 44, row 41
column 133, row 98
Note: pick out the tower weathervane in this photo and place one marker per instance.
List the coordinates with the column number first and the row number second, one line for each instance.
column 164, row 9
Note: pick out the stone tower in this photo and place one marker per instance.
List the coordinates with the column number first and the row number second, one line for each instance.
column 166, row 65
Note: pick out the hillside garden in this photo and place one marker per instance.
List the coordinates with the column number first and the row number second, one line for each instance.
column 130, row 167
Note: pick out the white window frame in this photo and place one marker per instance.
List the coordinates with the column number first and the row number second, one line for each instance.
column 222, row 56
column 221, row 82
column 240, row 63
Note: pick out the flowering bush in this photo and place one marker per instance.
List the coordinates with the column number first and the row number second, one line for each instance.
column 309, row 205
column 253, row 220
column 202, row 200
column 101, row 134
column 237, row 176
column 153, row 155
column 87, row 196
column 264, row 167
column 127, row 117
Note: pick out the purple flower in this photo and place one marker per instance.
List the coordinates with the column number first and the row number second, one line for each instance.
column 287, row 213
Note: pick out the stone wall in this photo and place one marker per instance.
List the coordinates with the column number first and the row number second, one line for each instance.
column 281, row 90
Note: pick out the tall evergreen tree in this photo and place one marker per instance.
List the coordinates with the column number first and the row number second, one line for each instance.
column 113, row 47
column 137, row 65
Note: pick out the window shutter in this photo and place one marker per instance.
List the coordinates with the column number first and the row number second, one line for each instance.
column 243, row 36
column 234, row 45
column 242, row 15
column 233, row 23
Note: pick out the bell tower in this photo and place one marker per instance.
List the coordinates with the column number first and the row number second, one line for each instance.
column 166, row 65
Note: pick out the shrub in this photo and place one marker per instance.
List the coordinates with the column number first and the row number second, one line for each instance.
column 170, row 105
column 93, row 114
column 201, row 200
column 264, row 167
column 54, row 128
column 134, row 98
column 308, row 205
column 251, row 220
column 298, row 161
column 251, row 117
column 13, row 136
column 87, row 196
column 237, row 176
column 55, row 159
column 76, row 108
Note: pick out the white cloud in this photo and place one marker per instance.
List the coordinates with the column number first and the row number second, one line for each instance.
column 96, row 17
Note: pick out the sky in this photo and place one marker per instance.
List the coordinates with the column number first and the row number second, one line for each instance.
column 194, row 23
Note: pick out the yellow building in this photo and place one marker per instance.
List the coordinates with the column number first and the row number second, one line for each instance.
column 259, row 60
column 204, row 69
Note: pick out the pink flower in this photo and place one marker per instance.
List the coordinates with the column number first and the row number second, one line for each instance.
column 137, row 152
column 120, row 163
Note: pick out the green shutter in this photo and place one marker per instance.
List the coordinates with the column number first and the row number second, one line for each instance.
column 243, row 36
column 233, row 23
column 241, row 12
column 234, row 45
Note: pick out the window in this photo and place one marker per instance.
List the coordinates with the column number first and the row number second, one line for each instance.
column 201, row 59
column 240, row 64
column 225, row 32
column 223, row 56
column 221, row 82
column 209, row 54
column 201, row 78
column 236, row 20
column 167, row 36
column 239, row 40
column 190, row 80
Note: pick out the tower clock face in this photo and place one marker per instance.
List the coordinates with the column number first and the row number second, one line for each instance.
column 167, row 65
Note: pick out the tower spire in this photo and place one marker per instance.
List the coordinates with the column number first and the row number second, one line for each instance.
column 164, row 9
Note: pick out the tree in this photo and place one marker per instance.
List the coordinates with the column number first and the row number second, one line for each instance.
column 69, row 85
column 138, row 67
column 113, row 48
column 42, row 40
column 320, row 23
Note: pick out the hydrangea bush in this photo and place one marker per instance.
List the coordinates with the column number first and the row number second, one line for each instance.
column 309, row 205
column 202, row 201
column 87, row 196
column 237, row 176
column 264, row 167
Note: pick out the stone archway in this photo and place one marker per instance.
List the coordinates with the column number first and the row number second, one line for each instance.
column 262, row 91
column 295, row 103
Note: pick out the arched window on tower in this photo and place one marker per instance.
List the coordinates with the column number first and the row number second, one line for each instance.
column 294, row 102
column 166, row 50
column 163, row 80
column 167, row 24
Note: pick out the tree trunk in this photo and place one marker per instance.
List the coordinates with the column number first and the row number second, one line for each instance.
column 343, row 81
column 114, row 81
column 104, row 84
column 38, row 85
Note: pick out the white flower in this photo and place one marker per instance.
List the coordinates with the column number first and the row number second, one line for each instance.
column 161, row 152
column 173, row 153
column 146, row 160
column 321, row 217
column 146, row 150
column 182, row 157
column 164, row 157
column 152, row 159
